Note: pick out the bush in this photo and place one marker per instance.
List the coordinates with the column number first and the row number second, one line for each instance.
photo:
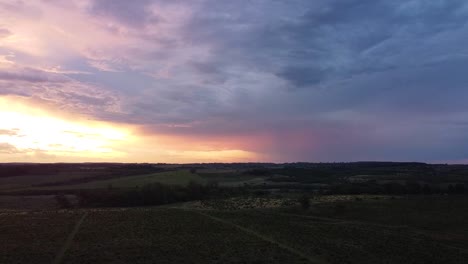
column 62, row 201
column 459, row 188
column 258, row 172
column 152, row 194
column 304, row 201
column 261, row 192
column 339, row 208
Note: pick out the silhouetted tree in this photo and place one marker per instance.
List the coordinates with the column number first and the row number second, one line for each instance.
column 62, row 201
column 427, row 189
column 451, row 189
column 413, row 187
column 460, row 188
column 195, row 190
column 304, row 201
column 394, row 188
column 339, row 208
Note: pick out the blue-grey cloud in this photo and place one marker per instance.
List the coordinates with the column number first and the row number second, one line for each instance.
column 31, row 75
column 353, row 79
column 401, row 60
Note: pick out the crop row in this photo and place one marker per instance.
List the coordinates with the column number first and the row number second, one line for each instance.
column 345, row 242
column 167, row 236
column 33, row 238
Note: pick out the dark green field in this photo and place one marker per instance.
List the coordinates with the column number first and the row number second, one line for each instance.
column 367, row 231
column 234, row 213
column 133, row 236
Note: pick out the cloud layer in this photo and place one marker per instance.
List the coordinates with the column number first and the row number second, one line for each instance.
column 322, row 80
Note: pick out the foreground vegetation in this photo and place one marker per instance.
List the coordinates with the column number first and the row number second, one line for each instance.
column 284, row 234
column 234, row 213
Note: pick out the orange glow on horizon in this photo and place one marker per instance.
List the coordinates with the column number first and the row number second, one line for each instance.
column 30, row 132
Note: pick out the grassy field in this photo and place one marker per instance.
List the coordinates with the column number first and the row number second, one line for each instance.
column 336, row 241
column 177, row 177
column 27, row 181
column 28, row 202
column 269, row 235
column 33, row 237
column 134, row 236
column 229, row 177
column 266, row 221
column 441, row 217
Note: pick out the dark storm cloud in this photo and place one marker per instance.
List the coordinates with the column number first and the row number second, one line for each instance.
column 303, row 76
column 341, row 62
column 324, row 38
column 321, row 80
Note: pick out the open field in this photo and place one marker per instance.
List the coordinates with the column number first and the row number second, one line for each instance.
column 234, row 213
column 336, row 241
column 230, row 177
column 28, row 202
column 33, row 238
column 442, row 217
column 340, row 178
column 28, row 181
column 174, row 177
column 30, row 175
column 269, row 235
column 134, row 236
column 178, row 177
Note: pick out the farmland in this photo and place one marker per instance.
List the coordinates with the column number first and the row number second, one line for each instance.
column 175, row 177
column 234, row 213
column 178, row 177
column 138, row 236
column 103, row 178
column 33, row 238
column 185, row 235
column 352, row 178
column 27, row 176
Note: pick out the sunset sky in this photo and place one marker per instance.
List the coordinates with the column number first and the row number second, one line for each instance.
column 229, row 81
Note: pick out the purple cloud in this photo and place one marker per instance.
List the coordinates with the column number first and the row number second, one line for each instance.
column 32, row 75
column 4, row 32
column 308, row 80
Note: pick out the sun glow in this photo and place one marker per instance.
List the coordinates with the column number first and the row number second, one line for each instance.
column 33, row 132
column 30, row 130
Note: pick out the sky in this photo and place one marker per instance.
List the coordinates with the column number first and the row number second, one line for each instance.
column 233, row 81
